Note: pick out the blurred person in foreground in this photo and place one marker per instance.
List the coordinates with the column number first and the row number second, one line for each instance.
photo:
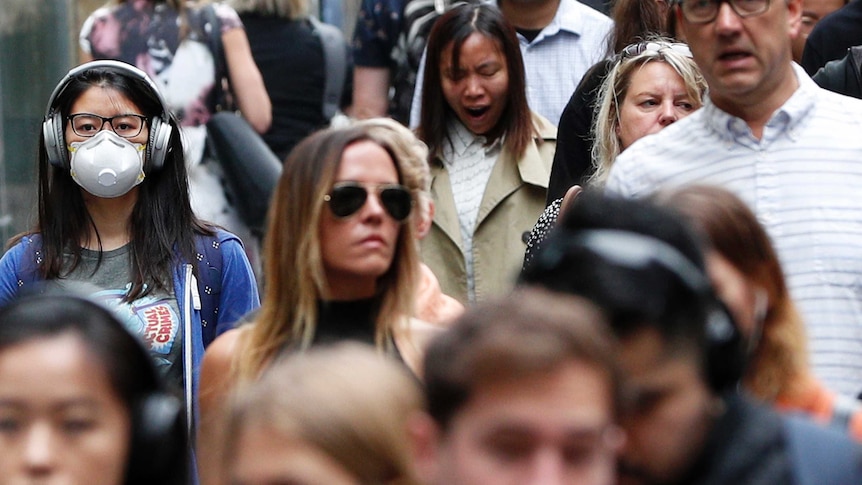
column 681, row 354
column 522, row 390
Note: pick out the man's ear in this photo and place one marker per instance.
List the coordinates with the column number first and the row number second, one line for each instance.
column 426, row 218
column 794, row 17
column 425, row 436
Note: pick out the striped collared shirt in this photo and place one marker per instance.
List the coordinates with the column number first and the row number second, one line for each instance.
column 803, row 179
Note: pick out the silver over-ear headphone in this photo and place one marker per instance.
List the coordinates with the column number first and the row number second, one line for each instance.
column 54, row 126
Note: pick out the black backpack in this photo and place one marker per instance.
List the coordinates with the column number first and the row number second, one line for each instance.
column 843, row 76
column 417, row 17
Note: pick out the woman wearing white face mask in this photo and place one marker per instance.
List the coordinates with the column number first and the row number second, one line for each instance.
column 114, row 211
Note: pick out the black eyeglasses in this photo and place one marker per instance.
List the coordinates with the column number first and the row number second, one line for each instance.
column 636, row 49
column 346, row 198
column 705, row 11
column 89, row 124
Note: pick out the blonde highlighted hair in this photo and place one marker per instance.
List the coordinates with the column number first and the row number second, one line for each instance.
column 295, row 279
column 346, row 401
column 615, row 87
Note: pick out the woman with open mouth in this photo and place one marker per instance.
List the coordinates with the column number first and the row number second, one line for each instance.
column 490, row 155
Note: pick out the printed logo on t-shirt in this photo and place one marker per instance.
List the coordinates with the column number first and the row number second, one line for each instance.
column 150, row 317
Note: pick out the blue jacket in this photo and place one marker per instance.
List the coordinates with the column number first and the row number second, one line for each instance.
column 225, row 291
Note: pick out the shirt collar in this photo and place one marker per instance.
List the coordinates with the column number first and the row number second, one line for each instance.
column 464, row 141
column 568, row 18
column 785, row 119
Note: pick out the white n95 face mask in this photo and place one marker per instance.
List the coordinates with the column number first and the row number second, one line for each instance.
column 107, row 165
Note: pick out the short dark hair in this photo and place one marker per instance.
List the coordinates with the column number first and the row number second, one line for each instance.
column 454, row 27
column 633, row 296
column 528, row 332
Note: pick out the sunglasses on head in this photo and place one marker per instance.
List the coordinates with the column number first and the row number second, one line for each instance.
column 346, row 198
column 636, row 49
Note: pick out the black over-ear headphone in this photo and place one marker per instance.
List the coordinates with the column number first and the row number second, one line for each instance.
column 157, row 447
column 54, row 126
column 725, row 356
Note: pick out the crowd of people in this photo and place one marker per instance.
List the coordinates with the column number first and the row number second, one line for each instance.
column 611, row 250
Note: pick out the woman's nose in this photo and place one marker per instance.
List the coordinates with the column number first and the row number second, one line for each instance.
column 39, row 450
column 474, row 86
column 668, row 114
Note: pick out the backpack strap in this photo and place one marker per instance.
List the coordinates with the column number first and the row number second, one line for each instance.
column 335, row 60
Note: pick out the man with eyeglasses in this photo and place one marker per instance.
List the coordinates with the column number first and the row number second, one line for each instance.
column 788, row 148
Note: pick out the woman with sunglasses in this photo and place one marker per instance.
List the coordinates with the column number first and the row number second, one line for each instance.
column 341, row 264
column 649, row 85
column 490, row 155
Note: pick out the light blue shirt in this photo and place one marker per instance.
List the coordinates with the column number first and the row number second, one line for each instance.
column 803, row 180
column 555, row 61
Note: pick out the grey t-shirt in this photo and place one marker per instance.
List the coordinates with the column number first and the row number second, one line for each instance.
column 155, row 317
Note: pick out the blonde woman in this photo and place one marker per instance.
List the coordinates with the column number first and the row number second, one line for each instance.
column 334, row 415
column 649, row 85
column 340, row 264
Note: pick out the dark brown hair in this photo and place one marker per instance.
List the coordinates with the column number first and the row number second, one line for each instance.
column 529, row 332
column 453, row 28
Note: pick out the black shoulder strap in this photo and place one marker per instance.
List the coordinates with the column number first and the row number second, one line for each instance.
column 335, row 59
column 212, row 23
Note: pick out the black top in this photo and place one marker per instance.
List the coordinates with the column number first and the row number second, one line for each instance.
column 355, row 320
column 346, row 320
column 573, row 159
column 290, row 58
column 832, row 36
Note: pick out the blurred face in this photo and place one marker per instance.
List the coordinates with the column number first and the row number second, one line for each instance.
column 670, row 412
column 656, row 97
column 477, row 88
column 812, row 12
column 550, row 428
column 60, row 420
column 266, row 457
column 359, row 248
column 746, row 61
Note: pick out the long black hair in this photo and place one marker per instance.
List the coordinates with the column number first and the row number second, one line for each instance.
column 158, row 442
column 162, row 224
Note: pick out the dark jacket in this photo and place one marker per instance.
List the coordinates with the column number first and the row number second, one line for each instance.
column 843, row 76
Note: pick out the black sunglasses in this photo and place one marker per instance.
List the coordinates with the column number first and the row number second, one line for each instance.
column 346, row 198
